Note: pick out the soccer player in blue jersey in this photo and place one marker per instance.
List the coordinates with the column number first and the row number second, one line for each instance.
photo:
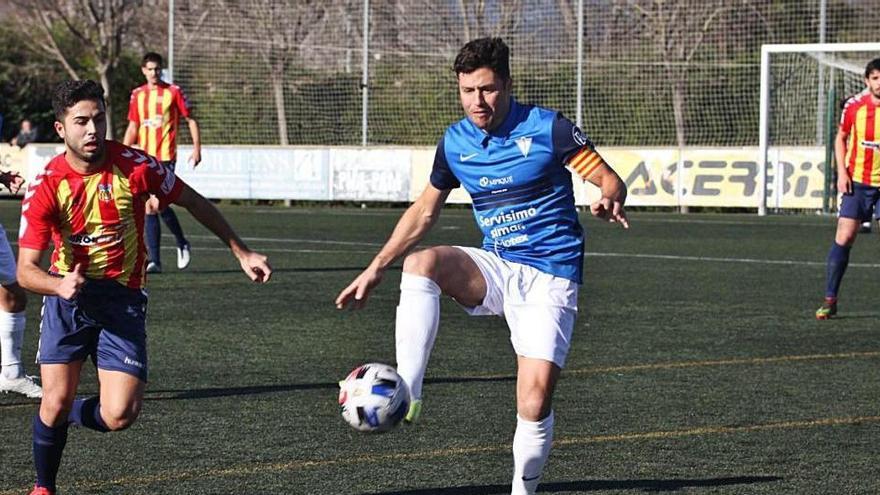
column 512, row 159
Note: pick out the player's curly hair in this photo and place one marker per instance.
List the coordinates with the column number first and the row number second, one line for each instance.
column 872, row 66
column 484, row 52
column 69, row 93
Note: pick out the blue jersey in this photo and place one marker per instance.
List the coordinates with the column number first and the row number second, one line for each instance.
column 522, row 193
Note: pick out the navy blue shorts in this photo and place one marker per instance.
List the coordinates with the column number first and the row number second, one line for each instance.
column 859, row 205
column 106, row 321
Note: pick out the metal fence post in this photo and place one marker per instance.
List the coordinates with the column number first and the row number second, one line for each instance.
column 365, row 82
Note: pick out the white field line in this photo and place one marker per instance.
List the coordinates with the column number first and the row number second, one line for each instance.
column 636, row 219
column 668, row 257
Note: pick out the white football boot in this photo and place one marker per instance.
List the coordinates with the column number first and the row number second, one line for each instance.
column 26, row 385
column 184, row 254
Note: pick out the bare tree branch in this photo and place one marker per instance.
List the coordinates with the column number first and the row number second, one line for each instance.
column 50, row 46
column 98, row 26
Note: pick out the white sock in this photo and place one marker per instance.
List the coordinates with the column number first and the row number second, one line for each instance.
column 531, row 447
column 418, row 316
column 11, row 335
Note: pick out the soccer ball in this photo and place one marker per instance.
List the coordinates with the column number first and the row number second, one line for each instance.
column 373, row 398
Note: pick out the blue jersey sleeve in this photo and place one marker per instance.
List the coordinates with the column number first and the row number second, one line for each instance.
column 568, row 139
column 441, row 175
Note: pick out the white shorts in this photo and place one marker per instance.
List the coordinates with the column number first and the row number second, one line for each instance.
column 540, row 308
column 7, row 260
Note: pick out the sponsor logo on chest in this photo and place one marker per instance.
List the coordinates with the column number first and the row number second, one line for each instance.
column 495, row 181
column 95, row 238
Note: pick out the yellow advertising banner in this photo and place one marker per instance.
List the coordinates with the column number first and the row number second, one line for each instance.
column 712, row 177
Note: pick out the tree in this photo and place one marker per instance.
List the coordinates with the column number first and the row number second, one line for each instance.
column 677, row 29
column 97, row 27
column 27, row 77
column 281, row 30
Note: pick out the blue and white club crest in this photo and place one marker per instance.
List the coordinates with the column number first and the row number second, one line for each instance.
column 524, row 144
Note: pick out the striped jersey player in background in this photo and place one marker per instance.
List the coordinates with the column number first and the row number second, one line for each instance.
column 89, row 203
column 857, row 153
column 512, row 159
column 154, row 113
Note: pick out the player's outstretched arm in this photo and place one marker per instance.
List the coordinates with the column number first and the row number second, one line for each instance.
column 610, row 206
column 415, row 222
column 255, row 265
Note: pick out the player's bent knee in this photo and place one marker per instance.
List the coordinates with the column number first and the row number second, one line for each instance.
column 533, row 406
column 847, row 230
column 423, row 263
column 118, row 424
column 845, row 239
column 120, row 420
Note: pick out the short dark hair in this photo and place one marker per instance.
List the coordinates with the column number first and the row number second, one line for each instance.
column 484, row 52
column 69, row 93
column 151, row 57
column 872, row 66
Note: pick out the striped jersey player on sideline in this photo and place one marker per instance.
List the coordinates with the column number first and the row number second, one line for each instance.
column 512, row 159
column 154, row 113
column 89, row 203
column 857, row 153
column 155, row 109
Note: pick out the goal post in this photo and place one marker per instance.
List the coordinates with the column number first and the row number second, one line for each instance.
column 808, row 69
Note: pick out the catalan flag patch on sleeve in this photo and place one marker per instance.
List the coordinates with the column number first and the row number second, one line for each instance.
column 585, row 162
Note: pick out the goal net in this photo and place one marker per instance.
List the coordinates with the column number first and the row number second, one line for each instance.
column 803, row 88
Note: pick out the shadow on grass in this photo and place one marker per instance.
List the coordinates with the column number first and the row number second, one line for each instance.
column 214, row 392
column 647, row 485
column 207, row 393
column 856, row 316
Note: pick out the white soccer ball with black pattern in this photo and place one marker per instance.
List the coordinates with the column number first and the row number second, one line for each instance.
column 373, row 398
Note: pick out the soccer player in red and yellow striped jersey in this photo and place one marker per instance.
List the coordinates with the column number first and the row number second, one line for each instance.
column 89, row 201
column 857, row 152
column 154, row 112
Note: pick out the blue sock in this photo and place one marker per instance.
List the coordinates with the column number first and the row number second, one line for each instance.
column 151, row 236
column 838, row 259
column 170, row 219
column 87, row 413
column 48, row 446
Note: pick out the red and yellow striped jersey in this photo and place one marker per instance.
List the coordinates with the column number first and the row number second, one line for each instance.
column 96, row 220
column 157, row 112
column 862, row 124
